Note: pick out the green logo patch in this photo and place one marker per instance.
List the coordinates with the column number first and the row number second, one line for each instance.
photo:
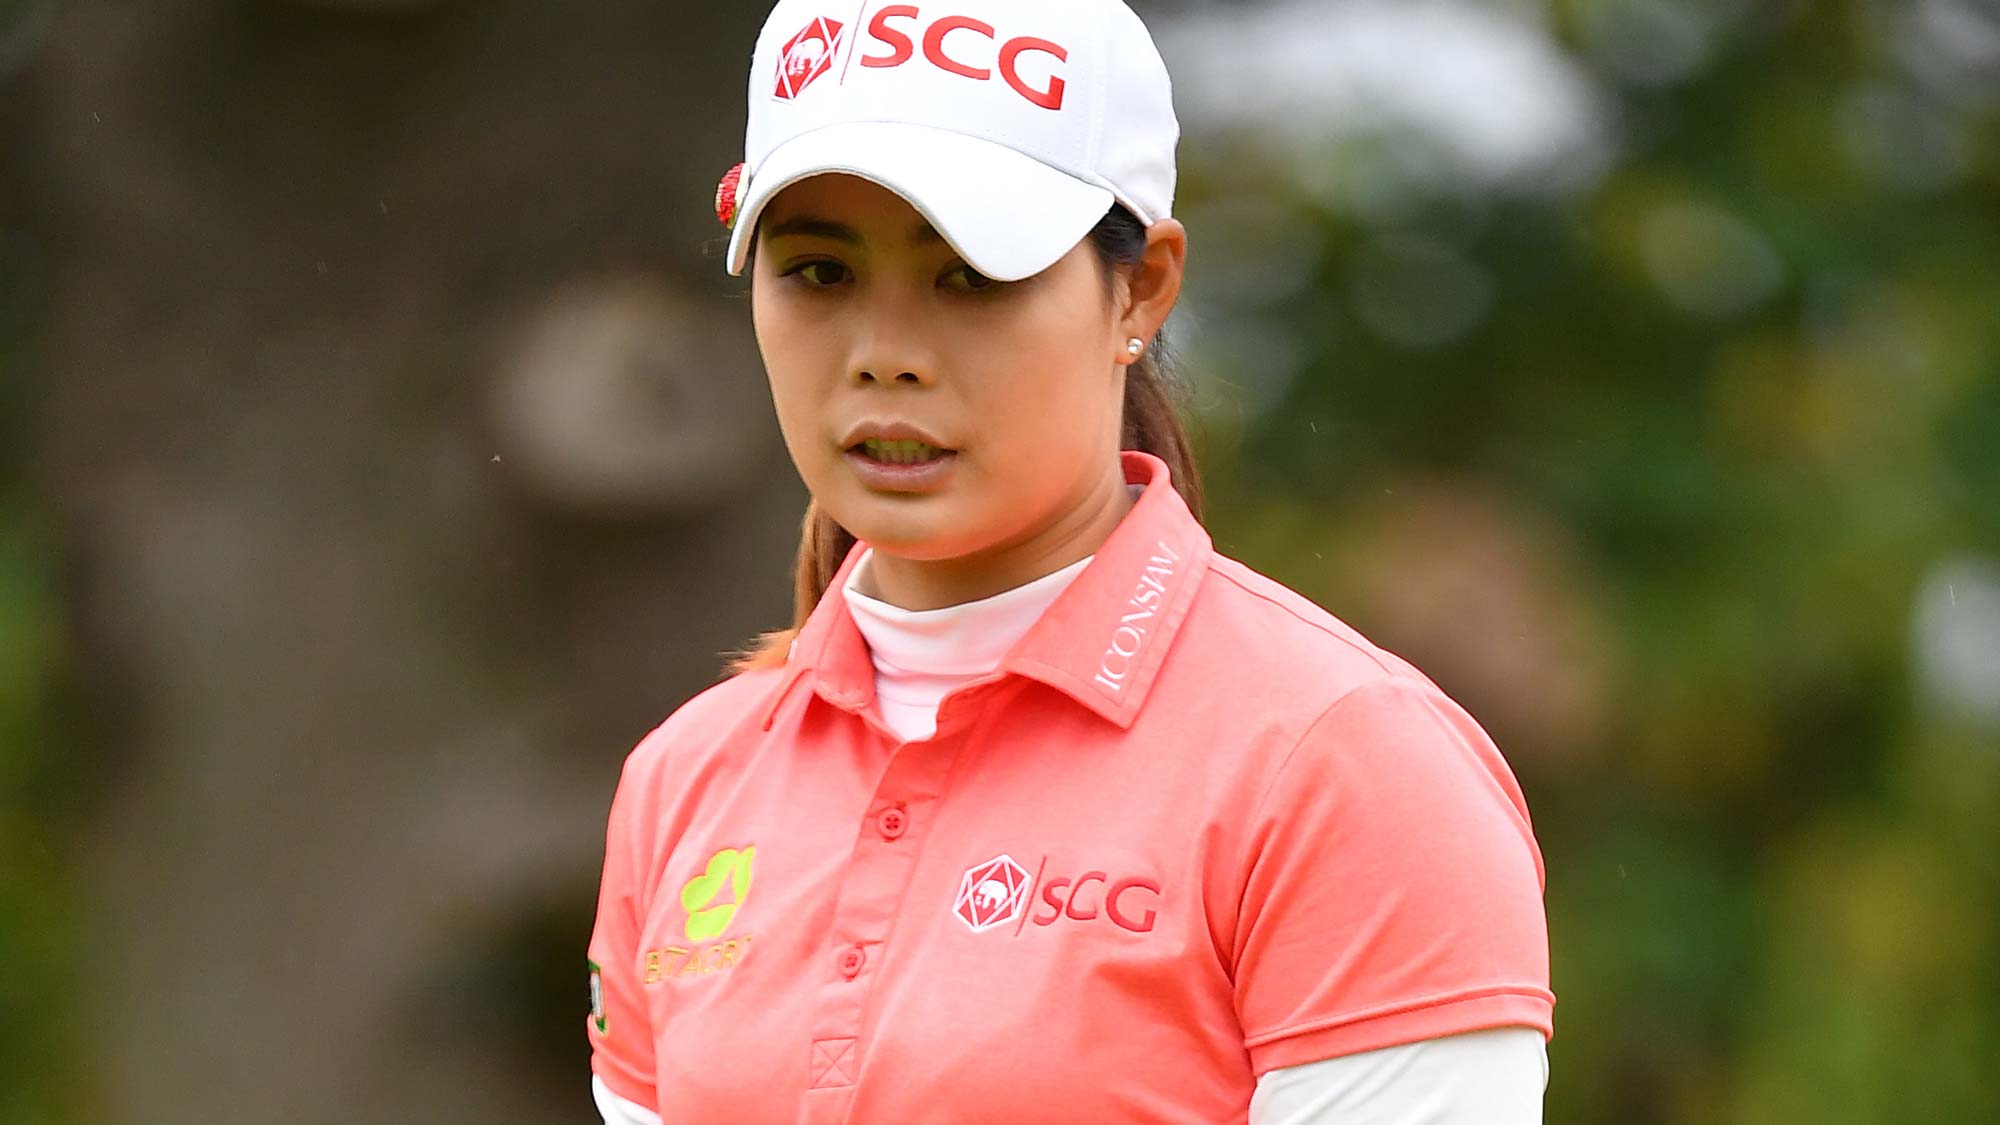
column 728, row 870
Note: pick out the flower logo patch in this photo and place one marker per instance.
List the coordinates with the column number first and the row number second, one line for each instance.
column 712, row 897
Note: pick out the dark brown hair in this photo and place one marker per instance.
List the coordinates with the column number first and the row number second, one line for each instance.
column 1152, row 424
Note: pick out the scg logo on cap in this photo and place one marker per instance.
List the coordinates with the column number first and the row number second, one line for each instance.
column 898, row 29
column 809, row 55
column 902, row 49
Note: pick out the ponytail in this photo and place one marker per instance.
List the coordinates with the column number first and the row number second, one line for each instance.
column 1152, row 425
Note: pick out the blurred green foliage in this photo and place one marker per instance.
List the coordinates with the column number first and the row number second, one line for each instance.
column 1725, row 413
column 36, row 927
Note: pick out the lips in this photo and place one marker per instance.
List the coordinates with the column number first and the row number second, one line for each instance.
column 895, row 443
column 899, row 457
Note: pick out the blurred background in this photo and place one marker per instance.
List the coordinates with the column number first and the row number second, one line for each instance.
column 383, row 451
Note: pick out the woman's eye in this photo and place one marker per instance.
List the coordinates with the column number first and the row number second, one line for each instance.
column 965, row 277
column 821, row 274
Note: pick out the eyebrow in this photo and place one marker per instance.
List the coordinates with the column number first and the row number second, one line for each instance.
column 812, row 226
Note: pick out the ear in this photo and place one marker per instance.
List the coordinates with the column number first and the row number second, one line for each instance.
column 1155, row 283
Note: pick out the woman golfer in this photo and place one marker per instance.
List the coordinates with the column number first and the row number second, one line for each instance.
column 1044, row 811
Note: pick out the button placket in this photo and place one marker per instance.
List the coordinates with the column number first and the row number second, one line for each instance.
column 887, row 852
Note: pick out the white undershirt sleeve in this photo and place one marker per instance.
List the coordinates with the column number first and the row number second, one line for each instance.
column 1490, row 1077
column 616, row 1110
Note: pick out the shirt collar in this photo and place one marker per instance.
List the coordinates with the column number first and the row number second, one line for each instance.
column 1101, row 643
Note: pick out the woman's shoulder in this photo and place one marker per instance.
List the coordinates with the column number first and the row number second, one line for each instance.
column 707, row 723
column 1264, row 631
column 1342, row 712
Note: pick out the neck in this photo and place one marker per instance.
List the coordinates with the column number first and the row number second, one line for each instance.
column 921, row 584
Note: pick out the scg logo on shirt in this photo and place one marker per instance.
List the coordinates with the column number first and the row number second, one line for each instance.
column 1127, row 903
column 999, row 892
column 991, row 894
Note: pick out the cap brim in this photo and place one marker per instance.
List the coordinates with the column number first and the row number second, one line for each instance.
column 1008, row 215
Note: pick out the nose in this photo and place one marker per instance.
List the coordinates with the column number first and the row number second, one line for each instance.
column 893, row 344
column 866, row 376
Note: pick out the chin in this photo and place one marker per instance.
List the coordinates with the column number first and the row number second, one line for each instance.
column 925, row 528
column 901, row 539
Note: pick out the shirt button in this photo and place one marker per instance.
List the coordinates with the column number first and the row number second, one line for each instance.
column 892, row 823
column 850, row 961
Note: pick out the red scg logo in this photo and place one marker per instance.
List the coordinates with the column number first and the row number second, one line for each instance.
column 961, row 45
column 1128, row 904
column 809, row 55
column 901, row 48
column 999, row 891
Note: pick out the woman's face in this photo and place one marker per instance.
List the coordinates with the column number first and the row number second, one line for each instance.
column 871, row 324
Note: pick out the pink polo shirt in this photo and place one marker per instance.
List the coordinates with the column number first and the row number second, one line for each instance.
column 1194, row 828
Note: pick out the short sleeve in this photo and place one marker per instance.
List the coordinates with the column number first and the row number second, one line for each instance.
column 1392, row 888
column 621, row 1034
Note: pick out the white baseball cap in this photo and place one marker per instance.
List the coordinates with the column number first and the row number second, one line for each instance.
column 1011, row 125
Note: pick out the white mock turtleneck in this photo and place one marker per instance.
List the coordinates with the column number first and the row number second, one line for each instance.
column 921, row 656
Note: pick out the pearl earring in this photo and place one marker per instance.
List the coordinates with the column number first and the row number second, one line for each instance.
column 1134, row 347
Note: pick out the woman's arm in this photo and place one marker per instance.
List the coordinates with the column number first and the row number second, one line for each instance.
column 1393, row 887
column 619, row 1029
